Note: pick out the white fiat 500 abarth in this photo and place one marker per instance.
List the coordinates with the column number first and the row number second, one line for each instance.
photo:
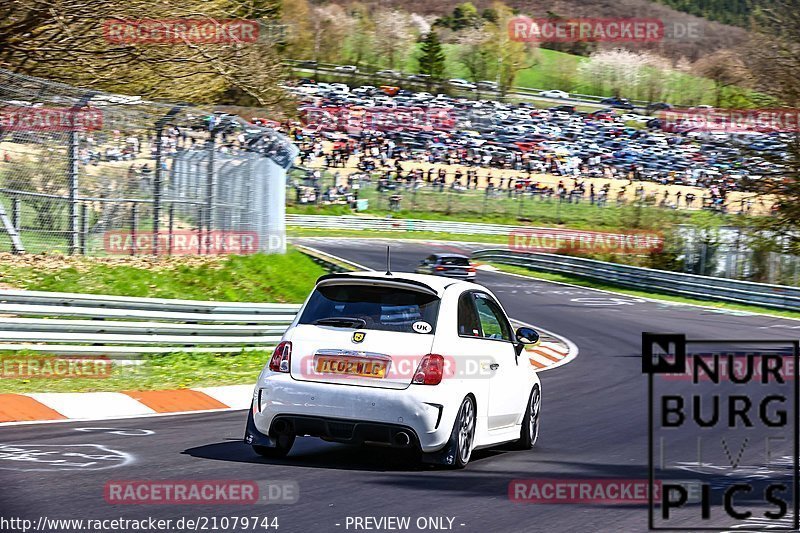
column 400, row 360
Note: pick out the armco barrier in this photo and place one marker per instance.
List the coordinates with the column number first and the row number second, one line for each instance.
column 398, row 224
column 123, row 325
column 368, row 72
column 690, row 285
column 119, row 325
column 327, row 261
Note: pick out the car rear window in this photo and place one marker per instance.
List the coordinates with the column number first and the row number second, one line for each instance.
column 381, row 308
column 455, row 261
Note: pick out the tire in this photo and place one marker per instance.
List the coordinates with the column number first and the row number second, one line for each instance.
column 464, row 433
column 283, row 444
column 529, row 432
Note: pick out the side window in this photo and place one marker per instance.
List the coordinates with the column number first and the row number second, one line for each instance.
column 468, row 323
column 493, row 322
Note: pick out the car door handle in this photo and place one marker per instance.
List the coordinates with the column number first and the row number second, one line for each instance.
column 494, row 366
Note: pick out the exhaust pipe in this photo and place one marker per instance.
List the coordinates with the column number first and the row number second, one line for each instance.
column 401, row 438
column 280, row 426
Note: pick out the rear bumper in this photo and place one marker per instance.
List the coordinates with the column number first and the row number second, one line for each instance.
column 456, row 275
column 347, row 431
column 351, row 414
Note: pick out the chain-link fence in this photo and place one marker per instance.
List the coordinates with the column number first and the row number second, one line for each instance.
column 719, row 250
column 86, row 172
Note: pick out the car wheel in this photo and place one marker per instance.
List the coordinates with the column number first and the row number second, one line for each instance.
column 283, row 443
column 464, row 433
column 529, row 431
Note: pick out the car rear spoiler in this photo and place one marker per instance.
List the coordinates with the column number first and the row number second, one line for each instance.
column 387, row 281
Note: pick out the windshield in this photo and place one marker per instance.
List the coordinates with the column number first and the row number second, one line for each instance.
column 455, row 261
column 370, row 307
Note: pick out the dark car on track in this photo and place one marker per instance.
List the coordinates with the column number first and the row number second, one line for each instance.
column 619, row 103
column 658, row 106
column 448, row 265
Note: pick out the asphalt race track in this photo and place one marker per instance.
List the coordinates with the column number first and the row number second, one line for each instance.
column 594, row 426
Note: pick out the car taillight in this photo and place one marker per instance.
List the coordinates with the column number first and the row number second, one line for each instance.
column 430, row 370
column 439, row 268
column 281, row 357
column 472, row 269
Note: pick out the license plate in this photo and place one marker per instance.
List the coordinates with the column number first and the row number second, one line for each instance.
column 351, row 367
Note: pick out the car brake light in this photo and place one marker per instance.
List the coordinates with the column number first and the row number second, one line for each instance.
column 472, row 269
column 439, row 268
column 281, row 357
column 430, row 370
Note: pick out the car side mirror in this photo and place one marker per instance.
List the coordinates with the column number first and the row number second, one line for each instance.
column 527, row 336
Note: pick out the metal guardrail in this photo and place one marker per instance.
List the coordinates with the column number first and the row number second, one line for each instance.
column 124, row 325
column 514, row 90
column 330, row 262
column 398, row 224
column 690, row 285
column 68, row 299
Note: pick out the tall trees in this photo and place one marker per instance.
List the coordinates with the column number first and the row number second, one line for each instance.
column 617, row 71
column 331, row 27
column 725, row 68
column 474, row 53
column 774, row 60
column 393, row 36
column 65, row 40
column 361, row 43
column 431, row 58
column 463, row 16
column 511, row 56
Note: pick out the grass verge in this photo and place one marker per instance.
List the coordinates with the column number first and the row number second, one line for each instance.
column 251, row 278
column 254, row 278
column 375, row 234
column 583, row 282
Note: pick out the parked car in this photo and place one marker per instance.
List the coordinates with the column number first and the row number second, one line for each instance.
column 554, row 94
column 461, row 83
column 370, row 359
column 347, row 68
column 390, row 90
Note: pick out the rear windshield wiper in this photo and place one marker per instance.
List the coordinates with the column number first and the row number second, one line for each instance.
column 342, row 321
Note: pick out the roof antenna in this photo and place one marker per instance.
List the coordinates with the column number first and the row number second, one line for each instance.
column 388, row 262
